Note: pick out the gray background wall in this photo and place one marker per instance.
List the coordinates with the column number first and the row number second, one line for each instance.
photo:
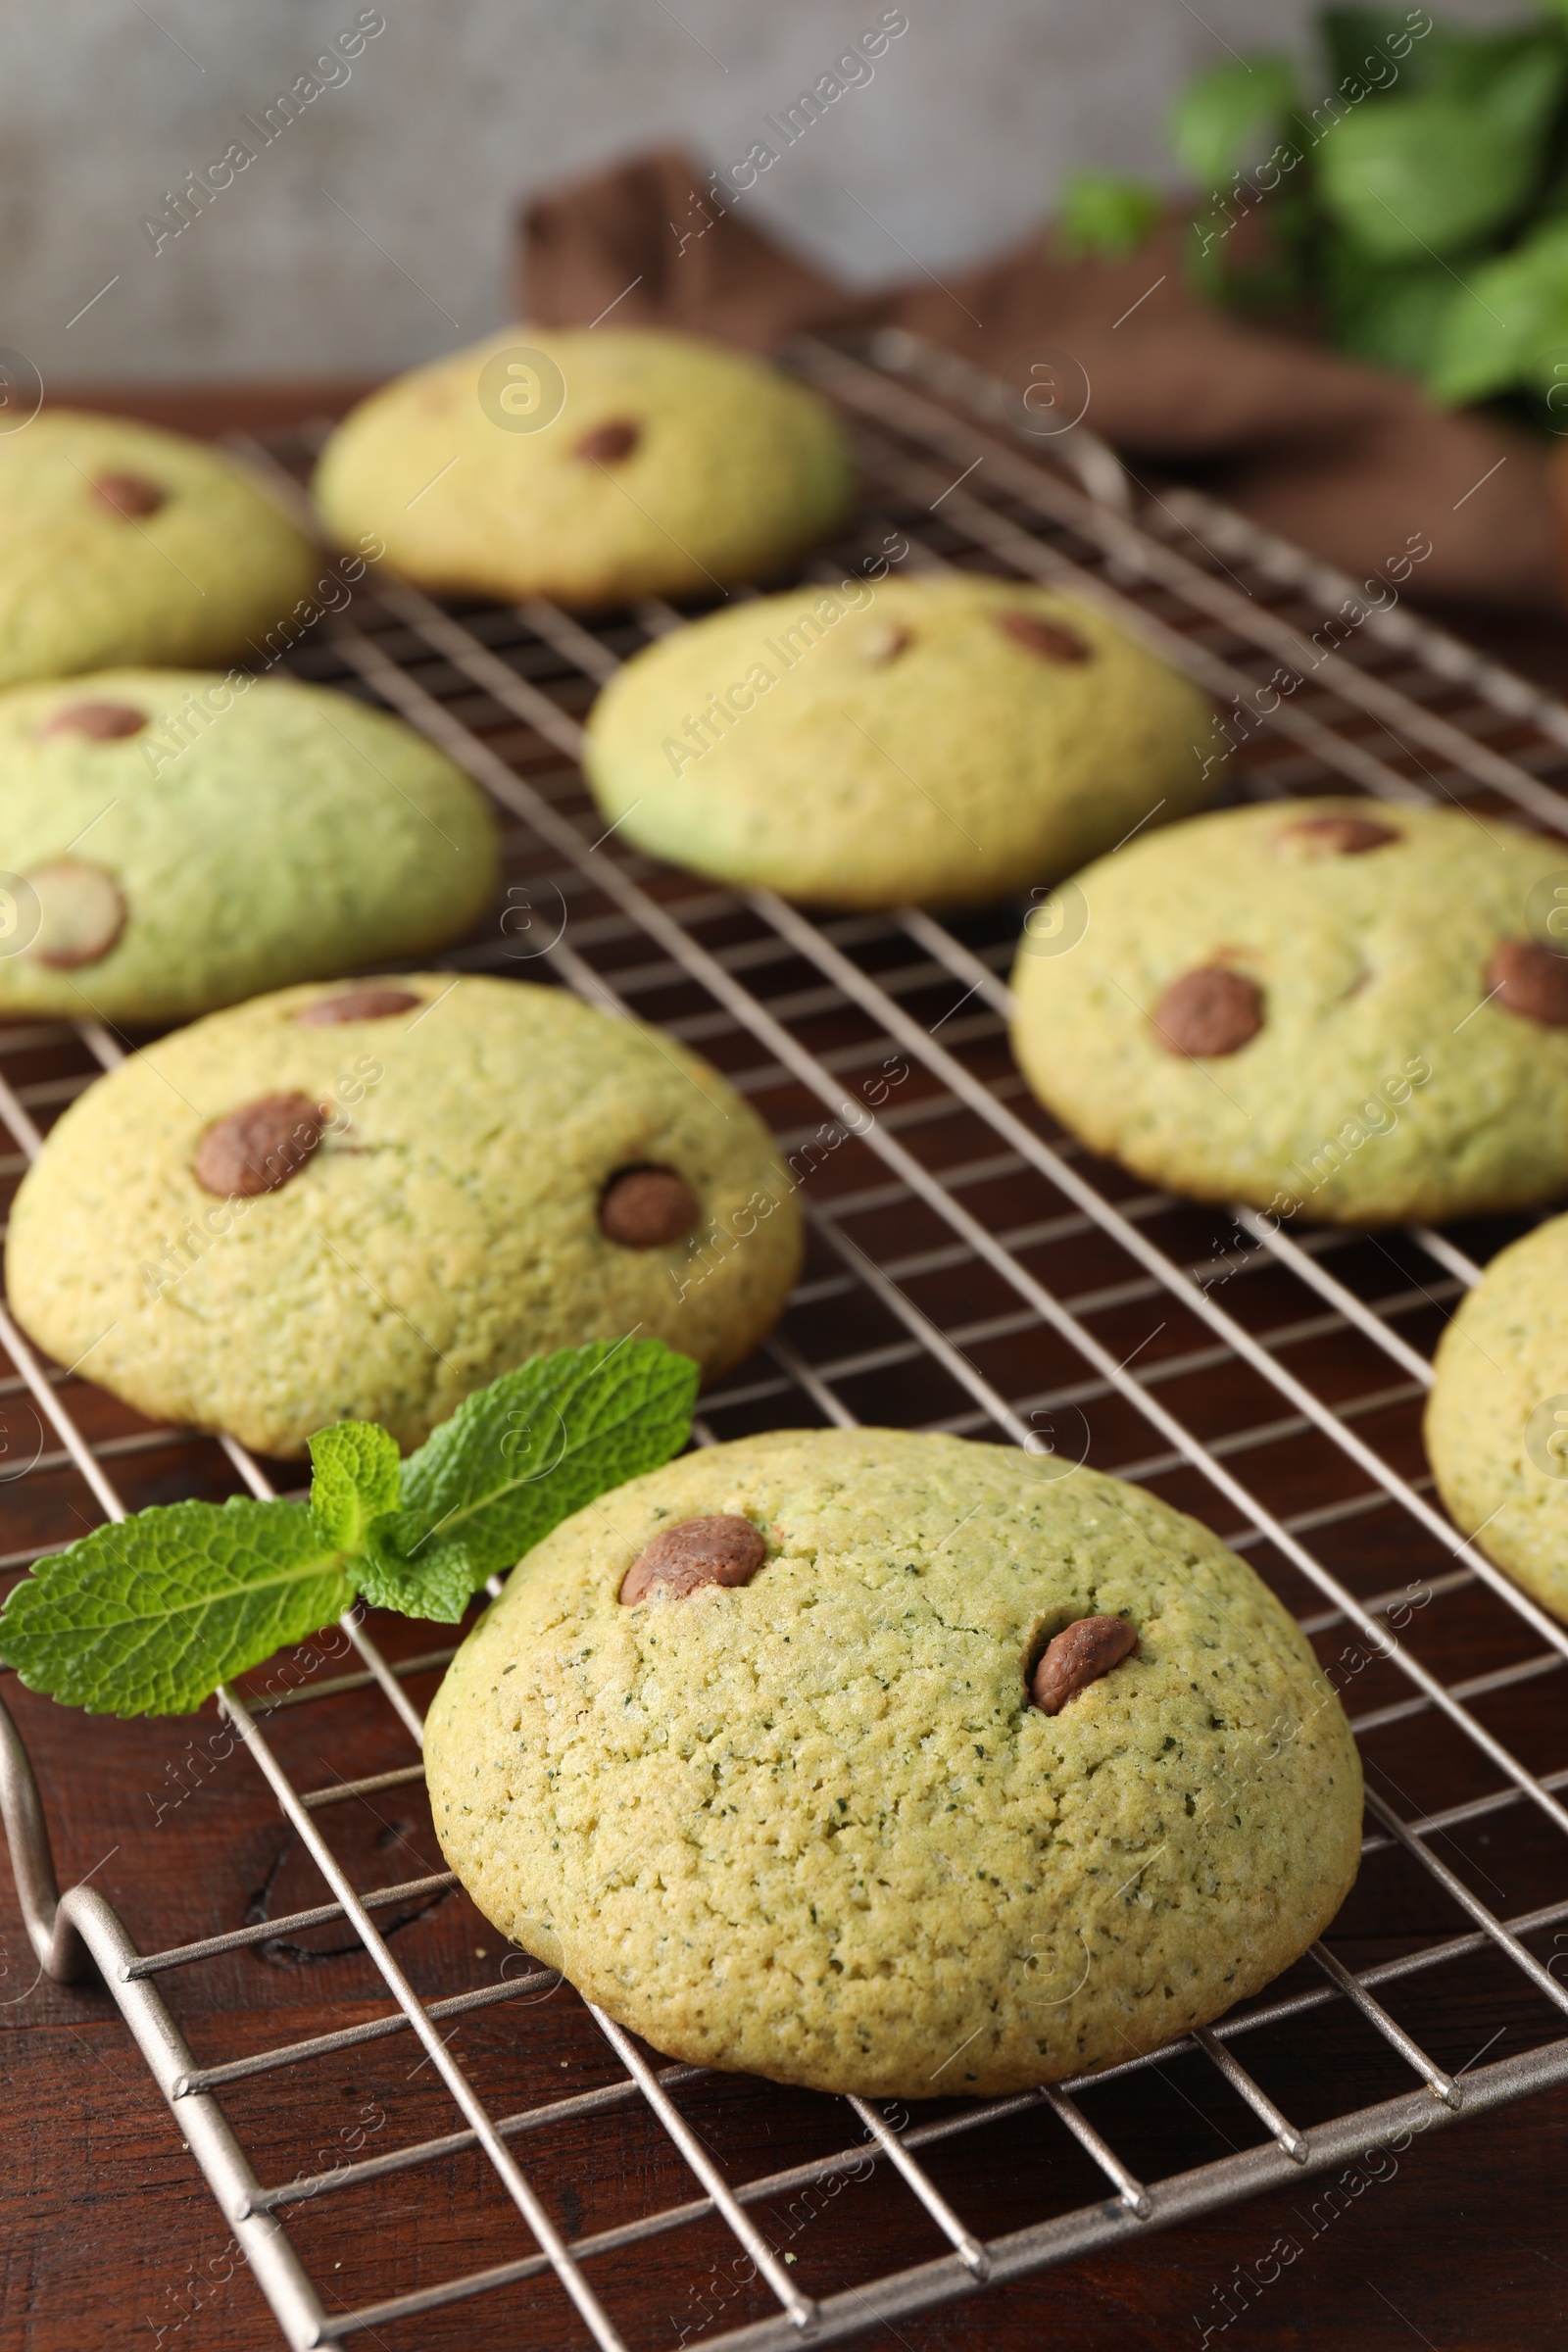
column 376, row 229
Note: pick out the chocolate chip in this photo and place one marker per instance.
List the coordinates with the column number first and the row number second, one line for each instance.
column 882, row 643
column 100, row 722
column 1046, row 638
column 697, row 1551
column 357, row 1004
column 1529, row 979
column 647, row 1208
column 1208, row 1012
column 129, row 493
column 1078, row 1655
column 259, row 1147
column 1339, row 836
column 607, row 442
column 81, row 914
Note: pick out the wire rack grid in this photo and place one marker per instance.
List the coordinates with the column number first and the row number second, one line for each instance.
column 971, row 1270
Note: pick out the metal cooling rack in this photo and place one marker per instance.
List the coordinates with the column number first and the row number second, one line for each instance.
column 971, row 1270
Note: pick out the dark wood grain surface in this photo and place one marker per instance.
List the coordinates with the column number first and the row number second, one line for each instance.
column 109, row 2235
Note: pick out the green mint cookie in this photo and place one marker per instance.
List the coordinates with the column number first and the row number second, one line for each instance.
column 590, row 466
column 125, row 544
column 364, row 1201
column 175, row 840
column 873, row 743
column 753, row 1748
column 1339, row 1009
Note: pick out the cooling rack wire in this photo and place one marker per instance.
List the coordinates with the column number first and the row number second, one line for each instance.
column 970, row 1270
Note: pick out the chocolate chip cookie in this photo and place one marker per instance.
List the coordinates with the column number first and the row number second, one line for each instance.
column 1497, row 1423
column 918, row 741
column 125, row 544
column 749, row 1747
column 362, row 1202
column 176, row 840
column 590, row 466
column 1332, row 1009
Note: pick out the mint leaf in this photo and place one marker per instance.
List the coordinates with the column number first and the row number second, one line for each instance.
column 407, row 1569
column 519, row 1458
column 1515, row 73
column 1101, row 212
column 1395, row 314
column 1224, row 115
column 356, row 1479
column 1428, row 176
column 1509, row 326
column 1381, row 50
column 148, row 1617
column 1365, row 42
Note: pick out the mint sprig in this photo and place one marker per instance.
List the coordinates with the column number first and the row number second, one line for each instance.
column 1410, row 187
column 148, row 1616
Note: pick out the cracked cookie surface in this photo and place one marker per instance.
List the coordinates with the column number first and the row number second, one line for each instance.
column 811, row 1826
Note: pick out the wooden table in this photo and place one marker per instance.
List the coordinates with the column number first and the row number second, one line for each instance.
column 109, row 2234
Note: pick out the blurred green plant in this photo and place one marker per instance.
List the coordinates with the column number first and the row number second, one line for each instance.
column 1103, row 213
column 1418, row 205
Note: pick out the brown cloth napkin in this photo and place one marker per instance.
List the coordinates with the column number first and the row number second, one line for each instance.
column 1347, row 460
